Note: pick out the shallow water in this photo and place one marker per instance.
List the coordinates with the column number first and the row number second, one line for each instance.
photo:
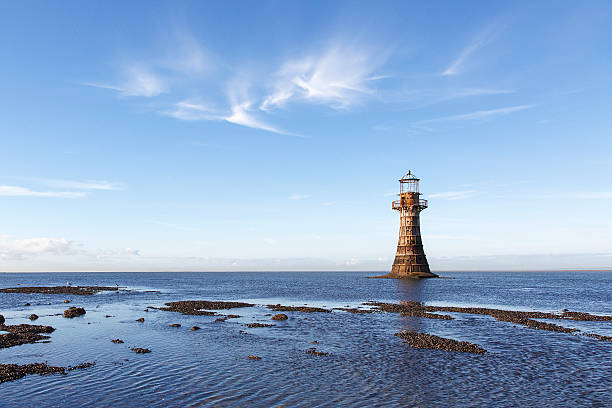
column 367, row 364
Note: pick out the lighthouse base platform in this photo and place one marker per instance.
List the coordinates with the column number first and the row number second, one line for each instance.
column 409, row 275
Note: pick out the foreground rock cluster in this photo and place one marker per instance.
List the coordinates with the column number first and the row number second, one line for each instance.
column 12, row 372
column 23, row 334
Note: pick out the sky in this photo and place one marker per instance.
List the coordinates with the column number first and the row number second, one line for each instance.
column 270, row 135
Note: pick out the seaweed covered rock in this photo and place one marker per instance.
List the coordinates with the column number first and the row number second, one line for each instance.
column 201, row 307
column 23, row 334
column 429, row 341
column 74, row 312
column 279, row 316
column 140, row 350
column 304, row 309
column 252, row 325
column 33, row 316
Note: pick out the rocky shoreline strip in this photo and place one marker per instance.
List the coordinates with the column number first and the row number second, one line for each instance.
column 523, row 318
column 200, row 307
column 303, row 309
column 61, row 290
column 12, row 372
column 430, row 341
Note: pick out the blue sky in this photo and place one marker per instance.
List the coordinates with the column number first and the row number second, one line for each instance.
column 271, row 135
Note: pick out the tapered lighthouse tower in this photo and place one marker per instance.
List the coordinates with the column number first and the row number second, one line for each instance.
column 410, row 260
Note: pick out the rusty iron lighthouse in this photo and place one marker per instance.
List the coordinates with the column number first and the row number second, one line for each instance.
column 410, row 260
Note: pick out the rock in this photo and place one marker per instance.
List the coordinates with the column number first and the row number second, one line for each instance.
column 117, row 341
column 74, row 312
column 23, row 334
column 33, row 316
column 252, row 357
column 175, row 325
column 194, row 307
column 194, row 328
column 279, row 316
column 354, row 310
column 314, row 352
column 12, row 372
column 108, row 316
column 429, row 341
column 27, row 304
column 2, row 319
column 141, row 320
column 66, row 301
column 252, row 325
column 141, row 350
column 314, row 342
column 304, row 309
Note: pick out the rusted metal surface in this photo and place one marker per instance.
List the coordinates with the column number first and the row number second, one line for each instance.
column 410, row 260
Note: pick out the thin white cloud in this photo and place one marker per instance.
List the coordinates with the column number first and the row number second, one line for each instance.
column 481, row 114
column 299, row 196
column 488, row 113
column 270, row 241
column 456, row 66
column 17, row 249
column 192, row 111
column 83, row 185
column 137, row 81
column 241, row 116
column 454, row 195
column 17, row 191
column 338, row 77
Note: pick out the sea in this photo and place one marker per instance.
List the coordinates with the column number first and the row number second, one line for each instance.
column 366, row 365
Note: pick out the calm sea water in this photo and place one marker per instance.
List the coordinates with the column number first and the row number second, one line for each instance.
column 367, row 365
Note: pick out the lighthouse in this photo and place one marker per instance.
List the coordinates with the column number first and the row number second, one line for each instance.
column 410, row 260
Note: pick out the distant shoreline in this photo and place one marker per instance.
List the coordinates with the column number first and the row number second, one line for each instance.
column 332, row 271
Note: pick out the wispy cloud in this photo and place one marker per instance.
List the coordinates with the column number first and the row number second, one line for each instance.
column 339, row 76
column 477, row 115
column 454, row 195
column 17, row 191
column 456, row 66
column 299, row 196
column 241, row 115
column 83, row 185
column 192, row 110
column 137, row 81
column 269, row 241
